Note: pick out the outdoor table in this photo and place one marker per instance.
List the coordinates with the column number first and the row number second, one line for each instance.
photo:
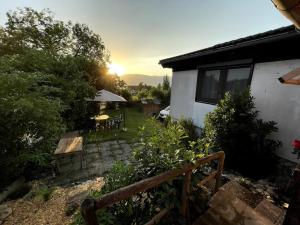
column 101, row 119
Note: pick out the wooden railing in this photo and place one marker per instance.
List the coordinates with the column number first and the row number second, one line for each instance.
column 90, row 205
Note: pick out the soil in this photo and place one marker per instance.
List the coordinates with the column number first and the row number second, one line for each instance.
column 34, row 210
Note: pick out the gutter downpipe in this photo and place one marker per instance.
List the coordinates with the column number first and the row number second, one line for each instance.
column 290, row 9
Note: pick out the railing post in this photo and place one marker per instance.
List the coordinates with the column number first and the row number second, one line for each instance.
column 219, row 172
column 88, row 211
column 185, row 193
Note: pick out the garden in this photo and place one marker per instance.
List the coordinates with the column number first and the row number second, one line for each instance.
column 48, row 68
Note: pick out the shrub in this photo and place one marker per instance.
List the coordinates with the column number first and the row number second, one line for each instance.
column 119, row 176
column 44, row 193
column 190, row 129
column 234, row 127
column 30, row 125
column 160, row 149
column 163, row 148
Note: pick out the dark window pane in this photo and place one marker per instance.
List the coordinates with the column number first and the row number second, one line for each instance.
column 210, row 85
column 237, row 80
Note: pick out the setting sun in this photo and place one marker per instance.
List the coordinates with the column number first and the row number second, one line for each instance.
column 116, row 69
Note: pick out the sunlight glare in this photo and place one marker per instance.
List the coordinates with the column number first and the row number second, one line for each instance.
column 116, row 69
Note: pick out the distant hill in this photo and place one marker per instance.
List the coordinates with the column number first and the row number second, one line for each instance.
column 135, row 79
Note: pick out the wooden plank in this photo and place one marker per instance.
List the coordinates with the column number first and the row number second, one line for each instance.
column 185, row 193
column 206, row 179
column 219, row 173
column 292, row 77
column 69, row 145
column 88, row 211
column 155, row 219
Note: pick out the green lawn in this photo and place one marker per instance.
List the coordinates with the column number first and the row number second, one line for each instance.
column 134, row 119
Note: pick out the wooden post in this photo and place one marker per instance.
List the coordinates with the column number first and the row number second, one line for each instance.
column 219, row 172
column 88, row 211
column 185, row 193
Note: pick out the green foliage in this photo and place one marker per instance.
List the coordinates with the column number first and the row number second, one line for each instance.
column 163, row 148
column 234, row 128
column 162, row 92
column 30, row 29
column 166, row 83
column 47, row 69
column 125, row 93
column 44, row 193
column 30, row 125
column 119, row 176
column 189, row 128
column 153, row 156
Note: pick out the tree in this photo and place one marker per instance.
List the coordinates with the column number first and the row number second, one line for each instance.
column 30, row 125
column 28, row 28
column 166, row 83
column 33, row 41
column 47, row 69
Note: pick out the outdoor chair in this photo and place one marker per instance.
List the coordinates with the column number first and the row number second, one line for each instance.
column 109, row 124
column 117, row 121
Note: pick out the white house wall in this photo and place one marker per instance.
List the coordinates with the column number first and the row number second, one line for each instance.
column 274, row 100
column 183, row 94
column 278, row 102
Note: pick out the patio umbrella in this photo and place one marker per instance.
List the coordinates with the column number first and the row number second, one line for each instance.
column 107, row 96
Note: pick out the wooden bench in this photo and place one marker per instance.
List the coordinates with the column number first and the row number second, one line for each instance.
column 70, row 143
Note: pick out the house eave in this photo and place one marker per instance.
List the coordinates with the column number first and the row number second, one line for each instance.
column 260, row 39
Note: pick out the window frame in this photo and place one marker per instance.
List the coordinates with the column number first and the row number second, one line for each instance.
column 222, row 81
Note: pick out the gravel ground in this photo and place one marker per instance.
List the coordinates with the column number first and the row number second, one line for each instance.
column 35, row 211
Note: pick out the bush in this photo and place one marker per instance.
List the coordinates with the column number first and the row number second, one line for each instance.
column 30, row 125
column 163, row 148
column 160, row 149
column 234, row 128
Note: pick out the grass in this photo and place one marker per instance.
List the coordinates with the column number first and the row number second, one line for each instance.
column 134, row 119
column 44, row 193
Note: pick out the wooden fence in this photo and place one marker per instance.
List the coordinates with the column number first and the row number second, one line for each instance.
column 90, row 205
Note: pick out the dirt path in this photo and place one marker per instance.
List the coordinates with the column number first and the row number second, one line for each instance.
column 52, row 212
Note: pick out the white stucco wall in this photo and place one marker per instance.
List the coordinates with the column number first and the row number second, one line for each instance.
column 278, row 102
column 274, row 100
column 183, row 94
column 183, row 98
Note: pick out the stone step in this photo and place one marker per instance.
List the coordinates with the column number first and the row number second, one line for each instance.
column 232, row 213
column 232, row 190
column 234, row 204
column 270, row 211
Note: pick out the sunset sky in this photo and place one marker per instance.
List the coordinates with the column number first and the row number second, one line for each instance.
column 138, row 33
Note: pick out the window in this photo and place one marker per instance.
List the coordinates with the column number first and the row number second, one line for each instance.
column 213, row 84
column 209, row 82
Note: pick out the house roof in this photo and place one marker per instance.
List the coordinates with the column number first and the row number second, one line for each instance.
column 261, row 38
